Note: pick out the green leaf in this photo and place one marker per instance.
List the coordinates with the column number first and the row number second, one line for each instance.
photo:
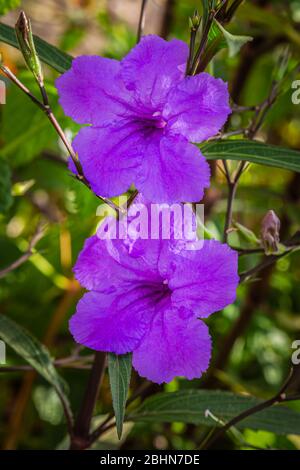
column 252, row 151
column 119, row 368
column 6, row 5
column 47, row 53
column 234, row 43
column 31, row 132
column 215, row 43
column 5, row 187
column 247, row 234
column 216, row 39
column 205, row 10
column 191, row 406
column 33, row 352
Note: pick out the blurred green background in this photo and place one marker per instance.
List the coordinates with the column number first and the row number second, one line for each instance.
column 252, row 338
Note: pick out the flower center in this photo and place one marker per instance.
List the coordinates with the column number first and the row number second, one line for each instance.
column 158, row 121
column 161, row 292
column 150, row 123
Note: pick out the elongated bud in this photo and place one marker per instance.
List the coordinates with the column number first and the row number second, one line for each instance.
column 270, row 229
column 27, row 47
column 194, row 21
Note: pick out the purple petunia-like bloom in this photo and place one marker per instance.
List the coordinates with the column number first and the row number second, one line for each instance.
column 142, row 114
column 148, row 296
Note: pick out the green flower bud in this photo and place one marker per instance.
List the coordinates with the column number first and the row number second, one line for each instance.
column 27, row 47
column 195, row 21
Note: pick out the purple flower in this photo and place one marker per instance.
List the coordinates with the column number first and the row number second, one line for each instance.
column 147, row 297
column 143, row 112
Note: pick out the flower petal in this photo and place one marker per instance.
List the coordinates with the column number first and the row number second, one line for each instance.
column 115, row 324
column 91, row 92
column 152, row 67
column 173, row 171
column 112, row 265
column 110, row 157
column 198, row 107
column 205, row 280
column 176, row 344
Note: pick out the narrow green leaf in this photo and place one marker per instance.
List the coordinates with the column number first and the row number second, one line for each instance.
column 33, row 352
column 5, row 187
column 205, row 10
column 119, row 368
column 252, row 151
column 47, row 53
column 192, row 406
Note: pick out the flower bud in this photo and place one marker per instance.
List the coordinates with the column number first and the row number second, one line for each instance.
column 270, row 229
column 194, row 21
column 27, row 47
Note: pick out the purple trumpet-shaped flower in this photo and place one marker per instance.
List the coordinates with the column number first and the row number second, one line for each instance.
column 148, row 296
column 143, row 112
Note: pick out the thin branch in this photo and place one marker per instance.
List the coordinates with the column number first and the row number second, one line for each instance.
column 226, row 135
column 236, row 108
column 280, row 397
column 67, row 412
column 71, row 362
column 256, row 123
column 80, row 438
column 203, row 42
column 251, row 251
column 226, row 170
column 267, row 261
column 194, row 27
column 229, row 210
column 291, row 244
column 141, row 24
column 20, row 85
column 30, row 251
column 94, row 436
column 131, row 198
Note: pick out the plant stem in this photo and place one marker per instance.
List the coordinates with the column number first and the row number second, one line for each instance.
column 191, row 50
column 267, row 261
column 34, row 240
column 256, row 123
column 80, row 438
column 231, row 195
column 280, row 397
column 22, row 87
column 203, row 42
column 141, row 24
